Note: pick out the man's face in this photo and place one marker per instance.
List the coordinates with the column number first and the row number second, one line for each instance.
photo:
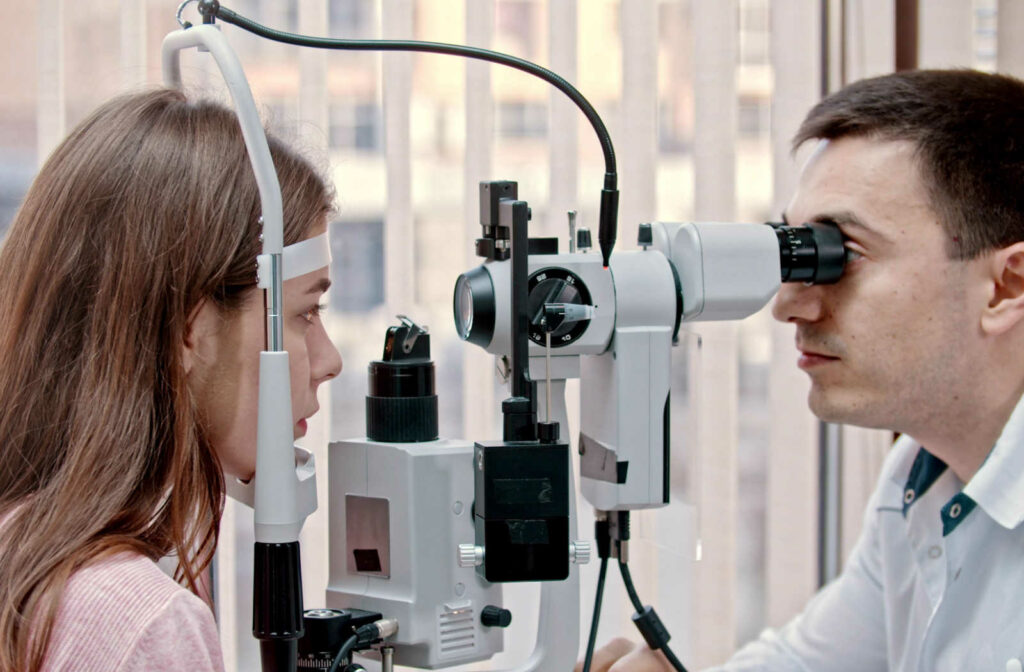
column 890, row 344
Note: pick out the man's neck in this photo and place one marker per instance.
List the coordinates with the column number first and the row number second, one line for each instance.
column 964, row 439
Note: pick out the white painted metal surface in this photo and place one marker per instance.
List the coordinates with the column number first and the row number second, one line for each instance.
column 792, row 463
column 1009, row 48
column 714, row 382
column 396, row 82
column 51, row 107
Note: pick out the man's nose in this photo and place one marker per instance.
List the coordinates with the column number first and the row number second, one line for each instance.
column 797, row 302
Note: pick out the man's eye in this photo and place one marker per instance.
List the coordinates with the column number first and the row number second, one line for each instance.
column 852, row 255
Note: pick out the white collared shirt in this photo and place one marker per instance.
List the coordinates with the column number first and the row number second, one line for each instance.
column 911, row 597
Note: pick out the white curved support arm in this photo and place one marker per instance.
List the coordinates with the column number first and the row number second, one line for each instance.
column 210, row 38
column 278, row 515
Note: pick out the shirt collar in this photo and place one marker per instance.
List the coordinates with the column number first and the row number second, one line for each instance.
column 904, row 452
column 998, row 486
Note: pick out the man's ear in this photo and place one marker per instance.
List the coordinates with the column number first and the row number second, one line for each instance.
column 199, row 344
column 1005, row 307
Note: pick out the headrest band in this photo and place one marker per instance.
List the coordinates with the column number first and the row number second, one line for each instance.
column 298, row 259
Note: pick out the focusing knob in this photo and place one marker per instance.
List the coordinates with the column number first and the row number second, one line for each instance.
column 583, row 242
column 645, row 237
column 495, row 617
column 470, row 555
column 579, row 552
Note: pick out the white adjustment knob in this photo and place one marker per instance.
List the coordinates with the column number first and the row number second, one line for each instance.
column 579, row 552
column 470, row 555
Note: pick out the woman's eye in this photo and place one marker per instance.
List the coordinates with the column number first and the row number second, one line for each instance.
column 314, row 312
column 852, row 255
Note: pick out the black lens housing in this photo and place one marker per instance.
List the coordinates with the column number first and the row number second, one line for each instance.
column 479, row 327
column 813, row 253
column 401, row 406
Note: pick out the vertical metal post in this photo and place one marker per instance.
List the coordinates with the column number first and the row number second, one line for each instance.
column 519, row 212
column 50, row 108
column 830, row 448
column 1009, row 48
column 478, row 380
column 791, row 535
column 399, row 234
column 906, row 34
column 563, row 154
column 133, row 43
column 829, row 435
column 715, row 395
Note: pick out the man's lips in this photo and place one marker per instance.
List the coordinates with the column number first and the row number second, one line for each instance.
column 810, row 359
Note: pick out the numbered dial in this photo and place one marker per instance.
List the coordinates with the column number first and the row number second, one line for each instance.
column 556, row 285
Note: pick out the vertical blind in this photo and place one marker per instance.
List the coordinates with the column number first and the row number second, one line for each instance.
column 701, row 97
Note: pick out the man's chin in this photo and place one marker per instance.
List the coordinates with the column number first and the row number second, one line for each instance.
column 844, row 410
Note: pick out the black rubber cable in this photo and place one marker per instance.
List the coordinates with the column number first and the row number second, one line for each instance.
column 553, row 78
column 592, row 639
column 608, row 217
column 627, row 579
column 345, row 649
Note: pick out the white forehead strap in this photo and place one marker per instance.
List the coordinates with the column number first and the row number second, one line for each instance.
column 298, row 259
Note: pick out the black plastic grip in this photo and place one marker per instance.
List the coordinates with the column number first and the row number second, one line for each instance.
column 608, row 219
column 401, row 419
column 277, row 592
column 602, row 534
column 651, row 627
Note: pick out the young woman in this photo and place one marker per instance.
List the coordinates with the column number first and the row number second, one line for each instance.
column 130, row 327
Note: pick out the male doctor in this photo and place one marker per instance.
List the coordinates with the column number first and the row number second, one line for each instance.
column 923, row 335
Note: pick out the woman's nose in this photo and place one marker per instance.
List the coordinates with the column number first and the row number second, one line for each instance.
column 325, row 360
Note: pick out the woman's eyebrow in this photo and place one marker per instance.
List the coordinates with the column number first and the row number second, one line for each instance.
column 320, row 286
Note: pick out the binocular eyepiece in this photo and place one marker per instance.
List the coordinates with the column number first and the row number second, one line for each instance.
column 812, row 253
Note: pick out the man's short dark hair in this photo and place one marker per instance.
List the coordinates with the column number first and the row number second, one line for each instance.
column 968, row 127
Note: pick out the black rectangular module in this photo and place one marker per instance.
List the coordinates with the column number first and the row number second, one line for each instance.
column 522, row 510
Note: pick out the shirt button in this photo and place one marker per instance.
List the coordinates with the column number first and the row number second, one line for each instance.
column 934, row 552
column 908, row 496
column 954, row 511
column 1013, row 665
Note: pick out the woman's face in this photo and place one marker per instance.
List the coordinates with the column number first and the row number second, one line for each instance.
column 224, row 375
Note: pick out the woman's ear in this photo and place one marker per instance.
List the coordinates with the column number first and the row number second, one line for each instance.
column 1005, row 307
column 200, row 343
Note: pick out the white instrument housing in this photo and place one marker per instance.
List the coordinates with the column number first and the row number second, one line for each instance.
column 398, row 512
column 624, row 442
column 727, row 271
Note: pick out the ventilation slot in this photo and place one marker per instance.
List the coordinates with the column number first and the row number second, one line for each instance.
column 456, row 632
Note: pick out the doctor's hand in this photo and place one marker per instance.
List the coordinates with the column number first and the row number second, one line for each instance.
column 622, row 655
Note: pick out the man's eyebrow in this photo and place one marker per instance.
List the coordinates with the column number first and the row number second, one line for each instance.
column 843, row 219
column 320, row 286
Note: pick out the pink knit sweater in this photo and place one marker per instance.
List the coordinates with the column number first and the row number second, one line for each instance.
column 123, row 614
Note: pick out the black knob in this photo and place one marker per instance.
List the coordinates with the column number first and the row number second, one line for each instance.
column 645, row 236
column 583, row 241
column 495, row 617
column 547, row 432
column 401, row 406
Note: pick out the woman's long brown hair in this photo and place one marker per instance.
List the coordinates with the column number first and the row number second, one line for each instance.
column 146, row 210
